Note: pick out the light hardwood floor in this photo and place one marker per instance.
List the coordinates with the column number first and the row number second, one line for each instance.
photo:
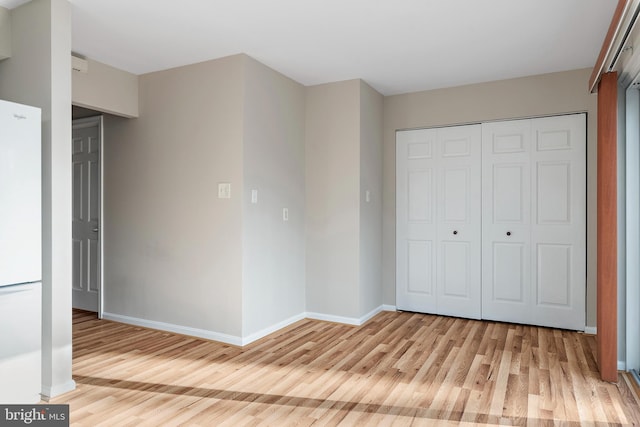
column 397, row 369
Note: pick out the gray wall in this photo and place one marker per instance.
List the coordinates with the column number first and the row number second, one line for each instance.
column 540, row 95
column 333, row 198
column 273, row 250
column 38, row 74
column 106, row 89
column 5, row 33
column 371, row 119
column 344, row 232
column 173, row 250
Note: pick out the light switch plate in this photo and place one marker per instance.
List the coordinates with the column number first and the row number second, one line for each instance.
column 254, row 196
column 367, row 196
column 224, row 190
column 285, row 214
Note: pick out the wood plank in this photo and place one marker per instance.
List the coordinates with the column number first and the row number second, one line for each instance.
column 399, row 369
column 607, row 274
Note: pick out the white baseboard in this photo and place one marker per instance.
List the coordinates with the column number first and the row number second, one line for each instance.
column 169, row 327
column 335, row 319
column 242, row 341
column 49, row 392
column 271, row 329
column 591, row 330
column 355, row 321
column 622, row 366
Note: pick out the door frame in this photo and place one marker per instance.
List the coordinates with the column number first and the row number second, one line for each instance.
column 631, row 310
column 87, row 123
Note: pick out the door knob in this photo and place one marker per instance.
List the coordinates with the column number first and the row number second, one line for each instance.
column 508, row 233
column 95, row 230
column 455, row 231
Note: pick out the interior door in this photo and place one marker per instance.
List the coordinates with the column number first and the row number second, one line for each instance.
column 438, row 226
column 558, row 185
column 416, row 220
column 86, row 214
column 506, row 221
column 534, row 221
column 458, row 222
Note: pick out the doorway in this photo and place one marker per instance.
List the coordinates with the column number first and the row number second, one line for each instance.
column 87, row 235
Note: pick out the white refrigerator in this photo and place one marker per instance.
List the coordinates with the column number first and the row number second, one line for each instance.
column 20, row 253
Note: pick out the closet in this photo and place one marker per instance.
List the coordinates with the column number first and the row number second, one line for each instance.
column 491, row 221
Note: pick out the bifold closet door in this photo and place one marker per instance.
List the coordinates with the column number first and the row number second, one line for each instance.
column 437, row 222
column 534, row 221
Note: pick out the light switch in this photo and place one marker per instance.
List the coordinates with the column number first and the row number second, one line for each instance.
column 367, row 196
column 285, row 214
column 224, row 190
column 254, row 196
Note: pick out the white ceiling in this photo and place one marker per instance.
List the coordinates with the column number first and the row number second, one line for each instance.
column 397, row 46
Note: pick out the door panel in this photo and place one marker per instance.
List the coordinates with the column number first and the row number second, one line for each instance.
column 459, row 225
column 534, row 221
column 86, row 215
column 553, row 195
column 554, row 275
column 438, row 189
column 508, row 283
column 416, row 229
column 559, row 229
column 506, row 221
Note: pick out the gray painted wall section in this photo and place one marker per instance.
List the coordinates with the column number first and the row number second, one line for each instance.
column 371, row 119
column 173, row 250
column 38, row 74
column 5, row 33
column 333, row 198
column 273, row 250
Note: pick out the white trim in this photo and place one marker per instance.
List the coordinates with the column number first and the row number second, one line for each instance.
column 370, row 314
column 632, row 288
column 271, row 329
column 591, row 330
column 57, row 390
column 350, row 320
column 335, row 319
column 88, row 122
column 169, row 327
column 622, row 366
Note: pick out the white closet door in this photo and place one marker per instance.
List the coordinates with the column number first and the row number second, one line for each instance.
column 437, row 221
column 416, row 220
column 506, row 221
column 534, row 221
column 458, row 217
column 558, row 163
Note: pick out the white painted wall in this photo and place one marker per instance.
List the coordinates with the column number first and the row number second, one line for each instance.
column 106, row 89
column 333, row 198
column 371, row 119
column 273, row 261
column 38, row 74
column 540, row 95
column 173, row 250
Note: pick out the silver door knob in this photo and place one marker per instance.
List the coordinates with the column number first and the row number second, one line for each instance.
column 95, row 230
